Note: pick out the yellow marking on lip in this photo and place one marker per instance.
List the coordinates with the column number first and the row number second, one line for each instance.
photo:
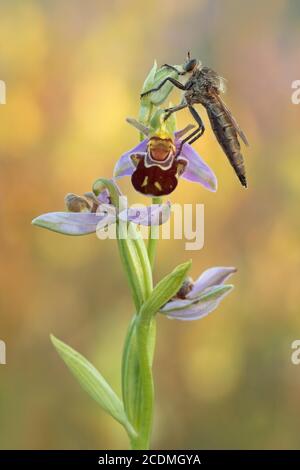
column 145, row 182
column 158, row 185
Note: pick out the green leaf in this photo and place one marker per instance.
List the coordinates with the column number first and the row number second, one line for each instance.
column 164, row 291
column 93, row 383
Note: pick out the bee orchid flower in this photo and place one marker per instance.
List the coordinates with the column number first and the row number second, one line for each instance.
column 92, row 212
column 197, row 299
column 157, row 162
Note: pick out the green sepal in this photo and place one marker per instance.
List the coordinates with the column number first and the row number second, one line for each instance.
column 164, row 291
column 158, row 97
column 146, row 104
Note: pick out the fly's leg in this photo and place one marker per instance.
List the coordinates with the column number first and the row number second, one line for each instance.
column 171, row 67
column 172, row 110
column 170, row 79
column 197, row 133
column 201, row 132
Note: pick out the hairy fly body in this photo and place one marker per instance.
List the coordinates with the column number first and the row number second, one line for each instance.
column 204, row 86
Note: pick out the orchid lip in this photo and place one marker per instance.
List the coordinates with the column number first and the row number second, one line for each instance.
column 196, row 170
column 164, row 164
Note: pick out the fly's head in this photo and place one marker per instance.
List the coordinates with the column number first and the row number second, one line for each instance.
column 191, row 65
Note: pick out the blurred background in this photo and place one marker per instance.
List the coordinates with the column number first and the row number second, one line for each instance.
column 73, row 72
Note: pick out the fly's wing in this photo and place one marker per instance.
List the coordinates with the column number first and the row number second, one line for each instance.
column 231, row 118
column 227, row 132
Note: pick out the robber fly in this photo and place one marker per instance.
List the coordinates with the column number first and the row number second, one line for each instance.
column 157, row 170
column 204, row 86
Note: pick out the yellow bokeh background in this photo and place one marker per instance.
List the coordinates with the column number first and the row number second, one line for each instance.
column 73, row 72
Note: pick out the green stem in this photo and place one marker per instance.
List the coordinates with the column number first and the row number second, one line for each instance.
column 146, row 331
column 135, row 383
column 133, row 269
column 153, row 236
column 137, row 379
column 146, row 266
column 145, row 342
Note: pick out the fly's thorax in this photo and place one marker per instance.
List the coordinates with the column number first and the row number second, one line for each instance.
column 211, row 79
column 197, row 94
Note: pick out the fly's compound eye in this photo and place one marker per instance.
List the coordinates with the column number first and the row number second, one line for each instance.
column 190, row 65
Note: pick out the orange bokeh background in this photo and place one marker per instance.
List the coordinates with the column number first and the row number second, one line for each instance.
column 73, row 72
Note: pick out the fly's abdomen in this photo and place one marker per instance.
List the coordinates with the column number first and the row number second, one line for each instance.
column 227, row 138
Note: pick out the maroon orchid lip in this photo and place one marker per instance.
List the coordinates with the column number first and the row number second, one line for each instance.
column 195, row 169
column 154, row 181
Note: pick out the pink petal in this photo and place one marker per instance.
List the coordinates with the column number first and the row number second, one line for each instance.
column 124, row 166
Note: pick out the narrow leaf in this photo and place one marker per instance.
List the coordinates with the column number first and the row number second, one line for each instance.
column 92, row 382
